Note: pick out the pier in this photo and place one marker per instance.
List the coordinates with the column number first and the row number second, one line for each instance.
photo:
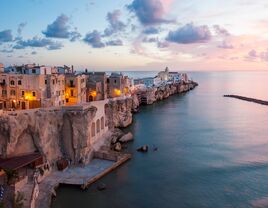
column 261, row 102
column 103, row 163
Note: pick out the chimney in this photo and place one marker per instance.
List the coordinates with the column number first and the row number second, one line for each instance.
column 72, row 69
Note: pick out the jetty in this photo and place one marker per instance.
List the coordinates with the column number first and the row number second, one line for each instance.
column 248, row 99
column 103, row 163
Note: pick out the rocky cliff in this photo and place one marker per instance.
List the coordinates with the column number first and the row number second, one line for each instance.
column 63, row 132
column 54, row 133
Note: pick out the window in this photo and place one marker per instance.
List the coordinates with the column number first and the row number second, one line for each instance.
column 53, row 81
column 33, row 71
column 12, row 82
column 19, row 82
column 45, row 81
column 102, row 122
column 71, row 83
column 98, row 125
column 115, row 81
column 33, row 93
column 22, row 93
column 72, row 93
column 108, row 81
column 4, row 92
column 93, row 129
column 12, row 92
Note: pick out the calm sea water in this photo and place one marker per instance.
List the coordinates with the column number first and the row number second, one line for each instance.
column 212, row 151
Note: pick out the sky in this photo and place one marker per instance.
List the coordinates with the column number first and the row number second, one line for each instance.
column 132, row 35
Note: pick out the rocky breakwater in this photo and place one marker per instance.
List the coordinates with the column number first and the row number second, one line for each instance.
column 150, row 95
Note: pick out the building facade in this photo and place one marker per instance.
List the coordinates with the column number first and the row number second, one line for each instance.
column 75, row 89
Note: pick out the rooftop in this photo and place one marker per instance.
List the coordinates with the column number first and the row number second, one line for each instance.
column 17, row 162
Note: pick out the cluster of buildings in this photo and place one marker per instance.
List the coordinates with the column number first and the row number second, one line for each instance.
column 33, row 86
column 162, row 78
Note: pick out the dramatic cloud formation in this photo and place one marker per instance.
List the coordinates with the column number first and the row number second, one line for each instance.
column 94, row 39
column 6, row 36
column 37, row 42
column 117, row 42
column 149, row 12
column 60, row 29
column 190, row 34
column 115, row 25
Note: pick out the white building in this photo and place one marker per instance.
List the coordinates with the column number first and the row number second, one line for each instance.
column 174, row 76
column 151, row 81
column 164, row 75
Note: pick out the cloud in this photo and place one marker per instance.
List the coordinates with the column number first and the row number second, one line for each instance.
column 149, row 40
column 115, row 25
column 74, row 36
column 253, row 55
column 150, row 30
column 7, row 51
column 60, row 28
column 94, row 39
column 117, row 42
column 226, row 45
column 6, row 36
column 54, row 46
column 37, row 42
column 190, row 33
column 149, row 12
column 162, row 44
column 221, row 31
column 21, row 27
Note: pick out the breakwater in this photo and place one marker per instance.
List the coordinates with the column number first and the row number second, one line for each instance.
column 248, row 99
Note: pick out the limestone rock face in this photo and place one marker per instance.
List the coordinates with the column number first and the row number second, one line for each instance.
column 116, row 134
column 119, row 112
column 126, row 138
column 53, row 133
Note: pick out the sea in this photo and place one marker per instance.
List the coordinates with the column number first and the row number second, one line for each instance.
column 212, row 151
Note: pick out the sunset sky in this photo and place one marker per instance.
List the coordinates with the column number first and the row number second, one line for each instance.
column 136, row 34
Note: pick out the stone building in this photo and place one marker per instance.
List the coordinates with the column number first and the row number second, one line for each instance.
column 164, row 75
column 31, row 86
column 96, row 86
column 119, row 85
column 75, row 89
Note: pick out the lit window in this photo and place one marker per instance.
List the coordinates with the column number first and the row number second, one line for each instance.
column 12, row 92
